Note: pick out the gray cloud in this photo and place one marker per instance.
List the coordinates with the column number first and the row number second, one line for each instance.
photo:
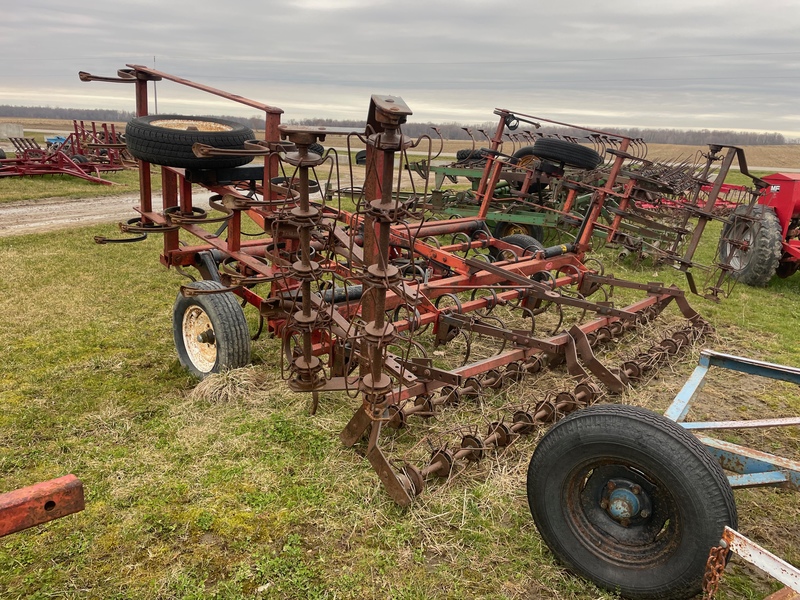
column 689, row 64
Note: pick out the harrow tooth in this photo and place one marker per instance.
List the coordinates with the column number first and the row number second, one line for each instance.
column 524, row 423
column 498, row 434
column 545, row 411
column 395, row 417
column 412, row 480
column 565, row 403
column 587, row 392
column 441, row 464
column 493, row 379
column 471, row 449
column 632, row 370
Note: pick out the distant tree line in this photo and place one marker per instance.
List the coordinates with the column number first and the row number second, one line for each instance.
column 449, row 131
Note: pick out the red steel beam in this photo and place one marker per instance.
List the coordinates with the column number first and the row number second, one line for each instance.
column 40, row 503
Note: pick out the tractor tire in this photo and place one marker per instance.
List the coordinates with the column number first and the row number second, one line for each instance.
column 525, row 242
column 629, row 500
column 756, row 264
column 568, row 153
column 167, row 140
column 210, row 331
column 508, row 228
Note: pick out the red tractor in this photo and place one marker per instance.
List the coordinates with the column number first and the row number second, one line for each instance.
column 763, row 240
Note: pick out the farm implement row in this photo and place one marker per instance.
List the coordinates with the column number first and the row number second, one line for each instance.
column 418, row 317
column 652, row 209
column 91, row 149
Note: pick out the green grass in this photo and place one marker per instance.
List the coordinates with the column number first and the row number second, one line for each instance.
column 250, row 497
column 65, row 186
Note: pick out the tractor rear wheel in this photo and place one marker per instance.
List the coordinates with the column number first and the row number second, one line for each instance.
column 629, row 500
column 210, row 331
column 751, row 244
column 167, row 140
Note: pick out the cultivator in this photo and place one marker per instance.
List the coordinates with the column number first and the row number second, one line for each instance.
column 86, row 153
column 656, row 209
column 372, row 298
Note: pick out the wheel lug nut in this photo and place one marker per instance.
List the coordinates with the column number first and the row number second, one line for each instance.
column 611, row 485
column 636, row 489
column 604, row 504
column 645, row 513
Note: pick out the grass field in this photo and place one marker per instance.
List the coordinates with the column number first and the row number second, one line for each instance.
column 242, row 494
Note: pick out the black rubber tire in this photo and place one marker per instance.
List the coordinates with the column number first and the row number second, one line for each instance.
column 470, row 154
column 2, row 154
column 504, row 229
column 521, row 153
column 172, row 147
column 568, row 153
column 527, row 243
column 79, row 159
column 317, row 148
column 361, row 157
column 756, row 265
column 687, row 501
column 229, row 347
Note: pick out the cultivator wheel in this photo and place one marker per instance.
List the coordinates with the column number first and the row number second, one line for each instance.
column 209, row 328
column 629, row 500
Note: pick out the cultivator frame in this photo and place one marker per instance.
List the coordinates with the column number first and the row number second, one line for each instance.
column 313, row 249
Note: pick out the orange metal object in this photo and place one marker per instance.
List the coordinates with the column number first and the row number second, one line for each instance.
column 40, row 503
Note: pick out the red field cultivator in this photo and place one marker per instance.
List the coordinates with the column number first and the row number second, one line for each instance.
column 415, row 317
column 85, row 153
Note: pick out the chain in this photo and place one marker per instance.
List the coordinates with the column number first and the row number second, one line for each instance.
column 715, row 565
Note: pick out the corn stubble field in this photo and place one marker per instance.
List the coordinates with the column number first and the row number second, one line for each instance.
column 229, row 489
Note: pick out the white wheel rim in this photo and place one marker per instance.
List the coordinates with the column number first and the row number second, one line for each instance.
column 739, row 256
column 202, row 354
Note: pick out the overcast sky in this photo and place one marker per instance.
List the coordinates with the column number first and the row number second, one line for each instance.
column 716, row 64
